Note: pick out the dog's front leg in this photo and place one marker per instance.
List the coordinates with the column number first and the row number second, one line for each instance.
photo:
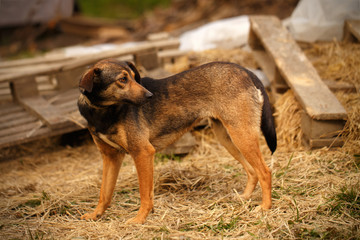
column 144, row 161
column 112, row 160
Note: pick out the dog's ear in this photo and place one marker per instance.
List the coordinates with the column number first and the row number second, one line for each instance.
column 87, row 80
column 136, row 72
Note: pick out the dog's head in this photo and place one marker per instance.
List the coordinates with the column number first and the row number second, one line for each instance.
column 111, row 82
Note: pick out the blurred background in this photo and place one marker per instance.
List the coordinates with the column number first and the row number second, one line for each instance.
column 30, row 27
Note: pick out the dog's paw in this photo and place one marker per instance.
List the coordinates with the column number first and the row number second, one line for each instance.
column 90, row 216
column 135, row 220
column 261, row 209
column 244, row 196
column 265, row 206
column 258, row 209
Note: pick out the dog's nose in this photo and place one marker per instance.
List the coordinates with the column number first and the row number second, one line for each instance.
column 148, row 94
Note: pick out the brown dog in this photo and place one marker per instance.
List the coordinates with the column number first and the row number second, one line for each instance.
column 139, row 116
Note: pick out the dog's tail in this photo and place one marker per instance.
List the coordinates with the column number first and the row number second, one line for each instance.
column 267, row 124
column 267, row 120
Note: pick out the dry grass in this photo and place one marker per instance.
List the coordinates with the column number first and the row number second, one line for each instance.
column 289, row 128
column 315, row 193
column 193, row 59
column 336, row 61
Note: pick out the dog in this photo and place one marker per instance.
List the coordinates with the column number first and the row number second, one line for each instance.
column 127, row 114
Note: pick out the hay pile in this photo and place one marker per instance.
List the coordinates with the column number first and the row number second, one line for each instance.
column 288, row 128
column 315, row 193
column 336, row 61
column 194, row 59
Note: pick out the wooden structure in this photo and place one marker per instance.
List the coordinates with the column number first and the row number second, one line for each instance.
column 94, row 27
column 287, row 66
column 352, row 31
column 38, row 97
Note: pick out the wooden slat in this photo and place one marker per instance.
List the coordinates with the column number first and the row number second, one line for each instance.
column 20, row 129
column 18, row 121
column 33, row 61
column 314, row 96
column 339, row 86
column 181, row 146
column 171, row 53
column 7, row 108
column 44, row 111
column 321, row 129
column 5, row 92
column 69, row 106
column 90, row 59
column 33, row 134
column 319, row 143
column 12, row 116
column 66, row 96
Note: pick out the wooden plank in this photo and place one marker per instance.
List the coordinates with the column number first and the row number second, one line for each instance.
column 171, row 53
column 158, row 36
column 89, row 59
column 10, row 117
column 45, row 83
column 27, row 127
column 147, row 58
column 34, row 134
column 33, row 61
column 182, row 146
column 313, row 95
column 5, row 92
column 69, row 95
column 319, row 143
column 44, row 111
column 68, row 107
column 339, row 86
column 7, row 108
column 27, row 68
column 25, row 87
column 69, row 79
column 352, row 31
column 321, row 129
column 17, row 121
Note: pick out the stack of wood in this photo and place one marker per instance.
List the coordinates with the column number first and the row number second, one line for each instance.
column 39, row 95
column 286, row 66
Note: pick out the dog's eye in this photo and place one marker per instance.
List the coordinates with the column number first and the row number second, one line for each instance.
column 123, row 79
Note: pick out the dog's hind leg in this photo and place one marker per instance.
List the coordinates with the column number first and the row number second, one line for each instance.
column 246, row 138
column 112, row 160
column 225, row 140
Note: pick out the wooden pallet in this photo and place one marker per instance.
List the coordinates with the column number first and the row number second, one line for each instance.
column 38, row 96
column 18, row 125
column 286, row 66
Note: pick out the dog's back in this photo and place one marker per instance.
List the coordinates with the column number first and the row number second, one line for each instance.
column 213, row 90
